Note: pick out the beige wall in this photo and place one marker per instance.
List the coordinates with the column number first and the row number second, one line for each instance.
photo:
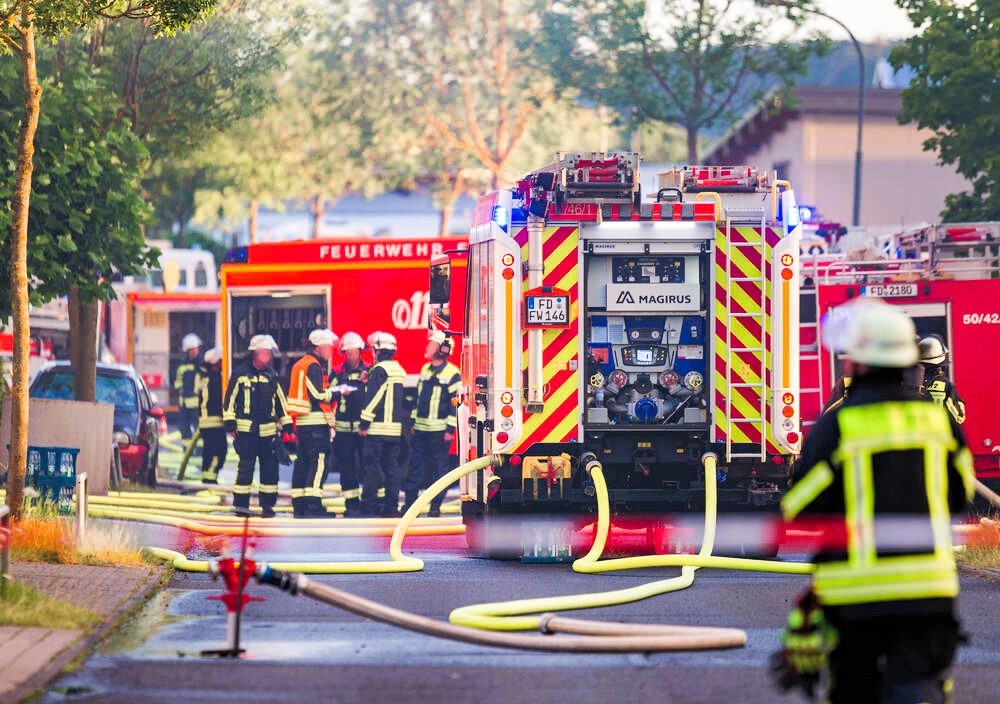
column 901, row 183
column 87, row 426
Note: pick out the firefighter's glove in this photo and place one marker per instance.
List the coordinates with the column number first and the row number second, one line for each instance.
column 807, row 642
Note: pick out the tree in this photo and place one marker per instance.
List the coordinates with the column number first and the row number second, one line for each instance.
column 470, row 71
column 21, row 21
column 955, row 94
column 696, row 63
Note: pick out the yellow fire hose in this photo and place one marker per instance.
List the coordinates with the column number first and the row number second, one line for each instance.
column 468, row 624
column 182, row 469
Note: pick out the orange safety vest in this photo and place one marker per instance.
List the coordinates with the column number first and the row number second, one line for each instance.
column 307, row 404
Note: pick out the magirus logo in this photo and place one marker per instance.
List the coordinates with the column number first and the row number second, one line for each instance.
column 625, row 297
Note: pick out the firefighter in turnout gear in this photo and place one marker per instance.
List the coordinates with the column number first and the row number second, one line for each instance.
column 186, row 384
column 934, row 357
column 433, row 420
column 885, row 470
column 215, row 446
column 309, row 401
column 381, row 426
column 255, row 409
column 348, row 384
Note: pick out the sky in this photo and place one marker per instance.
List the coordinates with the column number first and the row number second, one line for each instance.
column 868, row 19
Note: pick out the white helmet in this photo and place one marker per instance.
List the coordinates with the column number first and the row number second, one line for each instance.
column 190, row 342
column 881, row 335
column 351, row 341
column 323, row 336
column 370, row 340
column 442, row 340
column 384, row 342
column 213, row 356
column 932, row 350
column 262, row 342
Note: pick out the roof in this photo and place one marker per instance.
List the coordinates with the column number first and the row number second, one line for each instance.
column 769, row 117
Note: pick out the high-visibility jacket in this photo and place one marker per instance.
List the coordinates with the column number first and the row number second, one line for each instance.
column 186, row 383
column 308, row 396
column 892, row 468
column 383, row 411
column 943, row 393
column 210, row 391
column 255, row 402
column 436, row 388
column 349, row 407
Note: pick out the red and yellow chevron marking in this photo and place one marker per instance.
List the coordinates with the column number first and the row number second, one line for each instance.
column 560, row 421
column 739, row 340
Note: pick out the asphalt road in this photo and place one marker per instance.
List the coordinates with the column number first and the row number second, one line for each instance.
column 303, row 651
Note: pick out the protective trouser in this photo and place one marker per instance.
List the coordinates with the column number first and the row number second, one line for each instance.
column 892, row 659
column 252, row 450
column 215, row 447
column 380, row 456
column 309, row 470
column 429, row 461
column 187, row 418
column 347, row 455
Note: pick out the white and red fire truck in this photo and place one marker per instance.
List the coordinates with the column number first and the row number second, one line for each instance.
column 947, row 278
column 646, row 332
column 286, row 289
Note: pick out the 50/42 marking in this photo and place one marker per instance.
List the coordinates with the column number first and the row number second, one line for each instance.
column 981, row 319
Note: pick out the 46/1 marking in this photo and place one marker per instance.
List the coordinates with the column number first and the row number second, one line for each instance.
column 981, row 319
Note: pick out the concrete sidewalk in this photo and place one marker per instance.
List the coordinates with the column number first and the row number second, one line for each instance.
column 30, row 657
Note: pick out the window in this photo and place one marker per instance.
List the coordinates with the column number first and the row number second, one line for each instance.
column 200, row 276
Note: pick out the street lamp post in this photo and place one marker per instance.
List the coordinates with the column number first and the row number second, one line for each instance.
column 856, row 211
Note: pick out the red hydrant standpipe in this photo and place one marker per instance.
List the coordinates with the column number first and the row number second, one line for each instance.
column 235, row 577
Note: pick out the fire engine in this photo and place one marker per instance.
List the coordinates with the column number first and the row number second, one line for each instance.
column 645, row 332
column 286, row 289
column 947, row 278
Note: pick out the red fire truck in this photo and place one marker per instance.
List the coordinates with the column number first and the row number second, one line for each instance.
column 644, row 332
column 946, row 277
column 286, row 289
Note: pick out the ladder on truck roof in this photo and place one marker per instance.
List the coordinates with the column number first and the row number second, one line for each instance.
column 758, row 346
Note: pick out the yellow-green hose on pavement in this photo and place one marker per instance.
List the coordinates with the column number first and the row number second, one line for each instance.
column 187, row 454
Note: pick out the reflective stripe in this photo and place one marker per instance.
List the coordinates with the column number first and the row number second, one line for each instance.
column 386, row 429
column 368, row 413
column 298, row 493
column 318, row 479
column 311, row 419
column 865, row 577
column 351, row 493
column 241, row 488
column 244, row 425
column 189, row 402
column 806, row 490
column 967, row 470
column 210, row 422
column 268, row 488
column 431, row 426
column 346, row 426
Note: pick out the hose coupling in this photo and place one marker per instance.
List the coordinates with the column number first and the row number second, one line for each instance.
column 590, row 462
column 543, row 623
column 285, row 581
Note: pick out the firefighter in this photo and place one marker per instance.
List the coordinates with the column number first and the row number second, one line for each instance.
column 256, row 411
column 433, row 420
column 215, row 447
column 933, row 357
column 882, row 608
column 309, row 400
column 381, row 428
column 348, row 382
column 186, row 384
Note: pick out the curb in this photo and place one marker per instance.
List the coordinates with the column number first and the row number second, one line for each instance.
column 86, row 642
column 991, row 573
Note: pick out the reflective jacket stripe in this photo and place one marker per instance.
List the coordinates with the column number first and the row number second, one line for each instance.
column 806, row 490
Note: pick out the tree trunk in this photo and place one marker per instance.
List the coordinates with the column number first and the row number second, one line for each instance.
column 252, row 224
column 19, row 264
column 83, row 346
column 692, row 144
column 317, row 206
column 456, row 186
column 86, row 372
column 179, row 240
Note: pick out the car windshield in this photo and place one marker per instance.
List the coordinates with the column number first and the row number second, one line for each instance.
column 111, row 388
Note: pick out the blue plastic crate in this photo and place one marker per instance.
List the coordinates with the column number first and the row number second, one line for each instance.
column 52, row 472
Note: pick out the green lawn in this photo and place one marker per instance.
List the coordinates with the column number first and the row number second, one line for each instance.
column 25, row 606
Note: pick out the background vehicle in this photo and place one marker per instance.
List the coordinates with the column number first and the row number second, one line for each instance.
column 145, row 324
column 947, row 278
column 286, row 289
column 137, row 417
column 646, row 333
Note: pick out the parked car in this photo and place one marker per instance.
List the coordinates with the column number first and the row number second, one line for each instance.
column 138, row 418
